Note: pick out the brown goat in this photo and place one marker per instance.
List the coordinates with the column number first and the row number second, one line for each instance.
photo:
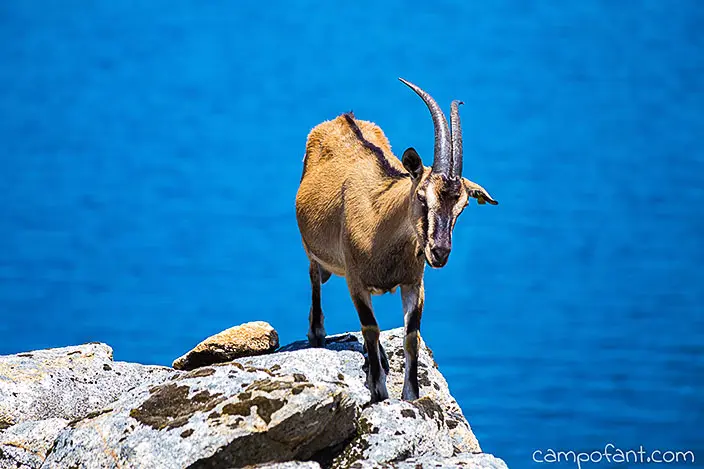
column 376, row 221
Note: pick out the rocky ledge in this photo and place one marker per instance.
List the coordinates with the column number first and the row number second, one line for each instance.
column 296, row 407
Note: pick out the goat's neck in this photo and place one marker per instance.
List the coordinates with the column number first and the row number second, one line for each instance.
column 396, row 214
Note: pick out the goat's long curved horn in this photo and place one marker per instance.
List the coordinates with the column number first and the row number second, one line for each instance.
column 443, row 151
column 456, row 138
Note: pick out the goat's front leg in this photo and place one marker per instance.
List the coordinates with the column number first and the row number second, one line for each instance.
column 413, row 297
column 376, row 375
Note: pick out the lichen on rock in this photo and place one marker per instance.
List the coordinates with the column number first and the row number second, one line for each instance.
column 170, row 406
column 209, row 420
column 395, row 430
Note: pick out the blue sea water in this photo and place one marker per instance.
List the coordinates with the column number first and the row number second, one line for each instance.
column 150, row 154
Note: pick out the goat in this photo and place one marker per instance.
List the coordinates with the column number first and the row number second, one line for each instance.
column 376, row 221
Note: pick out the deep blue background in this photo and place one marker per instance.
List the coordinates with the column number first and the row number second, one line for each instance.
column 150, row 153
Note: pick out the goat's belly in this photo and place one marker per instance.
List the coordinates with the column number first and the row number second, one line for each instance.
column 333, row 267
column 323, row 246
column 318, row 212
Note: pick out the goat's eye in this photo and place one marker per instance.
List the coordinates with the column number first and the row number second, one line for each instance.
column 421, row 197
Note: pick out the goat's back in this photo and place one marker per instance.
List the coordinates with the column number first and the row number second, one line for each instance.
column 337, row 160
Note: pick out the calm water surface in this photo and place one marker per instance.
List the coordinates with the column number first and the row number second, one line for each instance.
column 150, row 153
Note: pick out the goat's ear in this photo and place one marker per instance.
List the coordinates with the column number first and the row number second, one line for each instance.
column 412, row 163
column 478, row 192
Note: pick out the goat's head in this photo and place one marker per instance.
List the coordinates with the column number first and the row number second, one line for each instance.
column 440, row 193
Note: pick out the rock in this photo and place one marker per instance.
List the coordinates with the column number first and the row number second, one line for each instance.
column 223, row 416
column 25, row 445
column 432, row 383
column 340, row 364
column 462, row 460
column 67, row 383
column 288, row 465
column 300, row 407
column 249, row 339
column 396, row 430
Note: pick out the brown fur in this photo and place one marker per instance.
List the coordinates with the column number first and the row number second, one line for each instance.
column 356, row 221
column 362, row 232
column 364, row 217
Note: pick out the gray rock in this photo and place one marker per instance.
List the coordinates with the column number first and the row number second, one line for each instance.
column 431, row 381
column 276, row 410
column 396, row 430
column 341, row 363
column 462, row 460
column 289, row 465
column 25, row 445
column 222, row 416
column 66, row 383
column 432, row 384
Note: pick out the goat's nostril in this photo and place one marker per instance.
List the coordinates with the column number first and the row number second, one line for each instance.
column 441, row 253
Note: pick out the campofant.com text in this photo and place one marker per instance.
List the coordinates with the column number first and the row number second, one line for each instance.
column 612, row 455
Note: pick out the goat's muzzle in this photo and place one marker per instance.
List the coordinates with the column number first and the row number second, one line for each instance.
column 437, row 255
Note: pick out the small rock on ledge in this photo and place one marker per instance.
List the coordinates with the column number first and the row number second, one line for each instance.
column 246, row 340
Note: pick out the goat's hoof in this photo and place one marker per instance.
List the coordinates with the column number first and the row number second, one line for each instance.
column 377, row 387
column 316, row 336
column 379, row 394
column 316, row 341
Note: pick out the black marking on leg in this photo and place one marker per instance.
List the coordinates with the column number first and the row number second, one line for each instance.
column 413, row 323
column 410, row 347
column 324, row 275
column 366, row 315
column 382, row 355
column 376, row 375
column 410, row 381
column 384, row 358
column 316, row 330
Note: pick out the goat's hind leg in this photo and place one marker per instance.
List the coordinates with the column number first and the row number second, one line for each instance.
column 316, row 330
